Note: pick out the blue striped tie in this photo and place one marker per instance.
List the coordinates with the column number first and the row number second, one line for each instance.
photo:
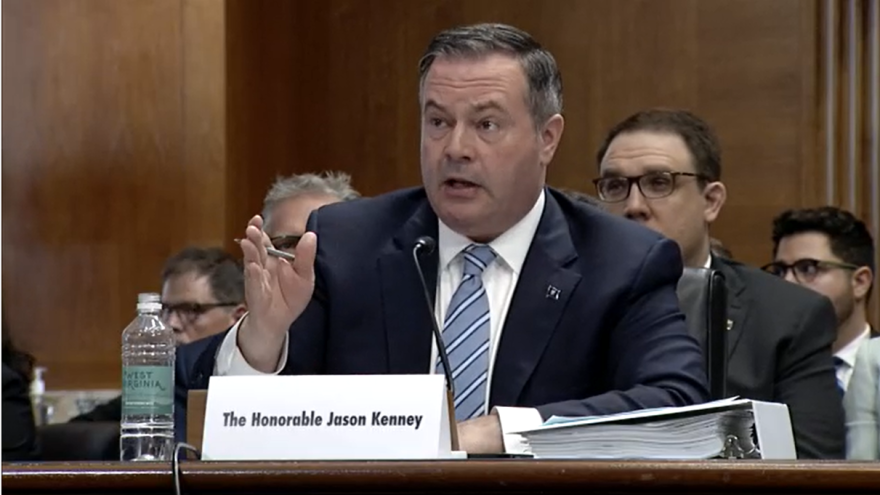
column 466, row 334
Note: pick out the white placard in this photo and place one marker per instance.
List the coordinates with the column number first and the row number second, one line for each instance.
column 326, row 417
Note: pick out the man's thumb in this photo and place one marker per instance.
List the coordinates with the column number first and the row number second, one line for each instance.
column 306, row 249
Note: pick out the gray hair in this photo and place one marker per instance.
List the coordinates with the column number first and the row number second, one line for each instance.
column 326, row 184
column 541, row 71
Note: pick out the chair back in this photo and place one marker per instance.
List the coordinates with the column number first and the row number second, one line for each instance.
column 702, row 296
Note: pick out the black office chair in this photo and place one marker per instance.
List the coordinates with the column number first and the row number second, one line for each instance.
column 702, row 295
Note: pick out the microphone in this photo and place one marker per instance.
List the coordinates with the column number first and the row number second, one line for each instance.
column 425, row 245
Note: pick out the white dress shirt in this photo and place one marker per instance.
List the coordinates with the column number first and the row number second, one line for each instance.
column 847, row 355
column 499, row 279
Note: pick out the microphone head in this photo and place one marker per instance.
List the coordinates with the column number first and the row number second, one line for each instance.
column 426, row 243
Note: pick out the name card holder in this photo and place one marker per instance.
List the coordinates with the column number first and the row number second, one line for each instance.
column 327, row 417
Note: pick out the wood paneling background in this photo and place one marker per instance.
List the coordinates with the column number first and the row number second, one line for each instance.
column 132, row 128
column 113, row 158
column 849, row 109
column 343, row 91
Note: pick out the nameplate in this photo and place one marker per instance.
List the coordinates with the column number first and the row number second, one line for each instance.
column 326, row 417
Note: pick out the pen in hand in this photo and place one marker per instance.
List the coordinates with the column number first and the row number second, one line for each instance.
column 274, row 252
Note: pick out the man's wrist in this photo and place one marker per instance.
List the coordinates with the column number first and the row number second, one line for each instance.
column 261, row 358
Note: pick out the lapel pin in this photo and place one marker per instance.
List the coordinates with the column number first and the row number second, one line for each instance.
column 729, row 325
column 553, row 293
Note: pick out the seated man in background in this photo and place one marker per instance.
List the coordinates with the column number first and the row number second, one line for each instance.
column 19, row 431
column 662, row 168
column 290, row 200
column 521, row 271
column 830, row 251
column 286, row 209
column 202, row 294
column 583, row 198
column 719, row 249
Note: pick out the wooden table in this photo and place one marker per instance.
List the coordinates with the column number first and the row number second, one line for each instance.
column 472, row 476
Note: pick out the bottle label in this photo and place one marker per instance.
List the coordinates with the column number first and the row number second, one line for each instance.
column 147, row 390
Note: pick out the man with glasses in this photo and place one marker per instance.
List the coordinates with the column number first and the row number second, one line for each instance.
column 830, row 251
column 286, row 209
column 202, row 295
column 290, row 200
column 662, row 168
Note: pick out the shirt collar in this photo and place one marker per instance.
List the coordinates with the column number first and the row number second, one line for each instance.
column 511, row 246
column 847, row 353
column 708, row 263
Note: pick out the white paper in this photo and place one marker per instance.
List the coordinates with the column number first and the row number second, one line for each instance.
column 692, row 432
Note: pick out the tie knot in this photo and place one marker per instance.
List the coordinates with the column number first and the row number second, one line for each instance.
column 838, row 362
column 477, row 257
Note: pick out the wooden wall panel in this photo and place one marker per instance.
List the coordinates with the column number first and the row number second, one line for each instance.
column 849, row 105
column 871, row 136
column 133, row 128
column 112, row 159
column 343, row 88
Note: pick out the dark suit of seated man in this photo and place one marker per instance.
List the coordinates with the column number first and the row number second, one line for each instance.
column 19, row 433
column 550, row 306
column 662, row 168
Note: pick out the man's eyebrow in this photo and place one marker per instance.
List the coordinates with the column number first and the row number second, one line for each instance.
column 658, row 168
column 649, row 169
column 431, row 104
column 488, row 105
column 477, row 107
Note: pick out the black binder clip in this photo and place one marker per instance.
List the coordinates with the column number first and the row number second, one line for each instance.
column 733, row 449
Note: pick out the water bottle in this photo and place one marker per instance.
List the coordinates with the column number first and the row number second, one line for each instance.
column 147, row 428
column 41, row 407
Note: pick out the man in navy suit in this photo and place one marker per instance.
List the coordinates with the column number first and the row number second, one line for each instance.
column 548, row 307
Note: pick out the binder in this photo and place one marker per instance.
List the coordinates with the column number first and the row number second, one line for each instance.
column 729, row 429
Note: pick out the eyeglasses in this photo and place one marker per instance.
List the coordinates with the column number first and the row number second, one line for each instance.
column 653, row 185
column 190, row 312
column 805, row 270
column 285, row 242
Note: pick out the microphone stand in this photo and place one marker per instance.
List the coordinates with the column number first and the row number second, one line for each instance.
column 427, row 244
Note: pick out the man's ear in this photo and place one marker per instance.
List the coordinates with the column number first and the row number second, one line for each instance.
column 861, row 282
column 239, row 311
column 551, row 134
column 715, row 195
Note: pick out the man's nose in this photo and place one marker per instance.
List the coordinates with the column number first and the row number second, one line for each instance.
column 636, row 207
column 789, row 275
column 174, row 322
column 459, row 147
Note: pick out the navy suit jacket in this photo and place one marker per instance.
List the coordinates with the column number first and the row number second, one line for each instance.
column 614, row 340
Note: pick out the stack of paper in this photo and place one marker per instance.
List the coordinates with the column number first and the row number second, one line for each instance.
column 692, row 432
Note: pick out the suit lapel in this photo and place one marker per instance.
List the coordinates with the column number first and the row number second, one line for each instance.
column 542, row 292
column 407, row 318
column 202, row 368
column 737, row 307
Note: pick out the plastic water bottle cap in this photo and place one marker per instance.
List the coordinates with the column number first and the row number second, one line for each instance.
column 149, row 301
column 38, row 386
